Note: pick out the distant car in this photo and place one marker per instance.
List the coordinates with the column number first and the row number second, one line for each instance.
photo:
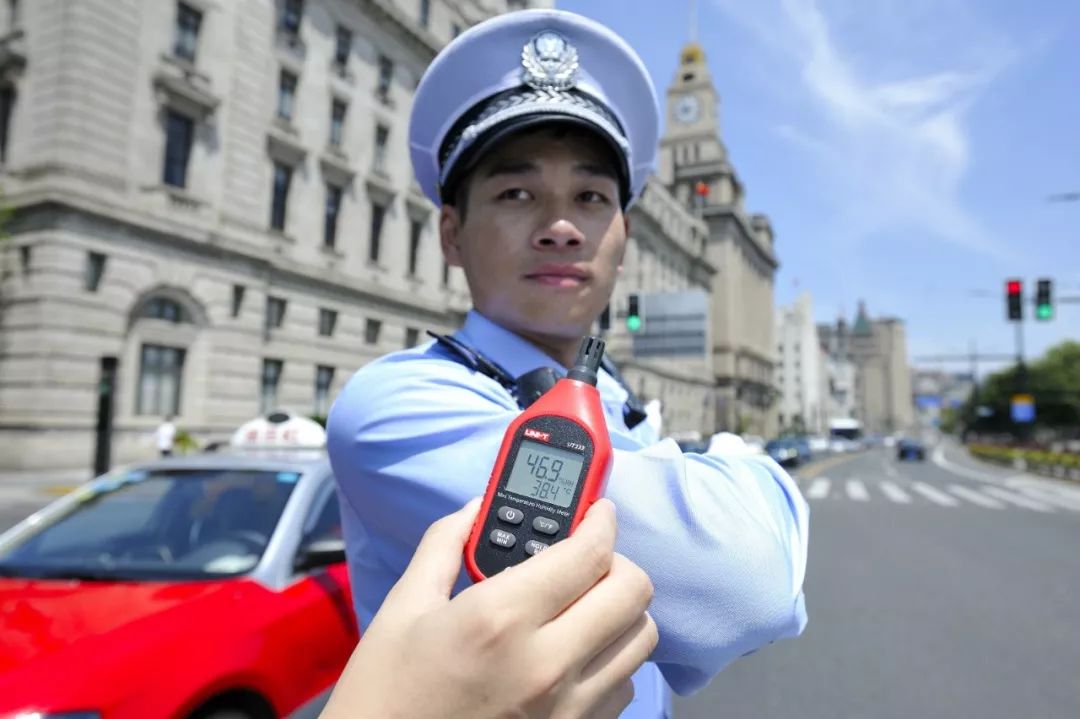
column 910, row 449
column 840, row 445
column 784, row 451
column 802, row 446
column 205, row 587
column 818, row 444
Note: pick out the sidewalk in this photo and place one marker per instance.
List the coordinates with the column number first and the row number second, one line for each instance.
column 43, row 483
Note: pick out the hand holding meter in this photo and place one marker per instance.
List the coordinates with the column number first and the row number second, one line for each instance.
column 553, row 464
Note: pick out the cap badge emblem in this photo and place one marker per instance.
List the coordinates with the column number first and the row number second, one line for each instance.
column 549, row 62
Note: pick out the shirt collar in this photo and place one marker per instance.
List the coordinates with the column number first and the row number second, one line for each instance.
column 518, row 356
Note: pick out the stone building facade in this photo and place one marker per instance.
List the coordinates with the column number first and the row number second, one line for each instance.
column 801, row 373
column 876, row 351
column 694, row 164
column 214, row 216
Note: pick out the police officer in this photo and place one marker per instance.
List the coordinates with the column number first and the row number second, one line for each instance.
column 534, row 132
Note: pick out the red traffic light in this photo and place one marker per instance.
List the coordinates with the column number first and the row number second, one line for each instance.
column 1013, row 287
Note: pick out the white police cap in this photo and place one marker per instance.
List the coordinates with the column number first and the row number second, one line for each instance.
column 522, row 69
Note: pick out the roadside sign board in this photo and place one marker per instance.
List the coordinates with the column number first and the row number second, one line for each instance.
column 675, row 323
column 1023, row 408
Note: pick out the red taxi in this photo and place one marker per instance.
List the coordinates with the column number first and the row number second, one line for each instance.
column 204, row 587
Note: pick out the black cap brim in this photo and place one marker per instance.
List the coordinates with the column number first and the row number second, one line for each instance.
column 510, row 127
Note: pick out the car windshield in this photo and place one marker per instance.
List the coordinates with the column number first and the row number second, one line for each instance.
column 155, row 525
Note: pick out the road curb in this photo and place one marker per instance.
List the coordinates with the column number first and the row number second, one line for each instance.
column 1033, row 472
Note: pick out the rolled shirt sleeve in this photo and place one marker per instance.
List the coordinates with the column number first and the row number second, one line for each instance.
column 412, row 437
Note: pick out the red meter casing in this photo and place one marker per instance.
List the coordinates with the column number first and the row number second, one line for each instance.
column 538, row 493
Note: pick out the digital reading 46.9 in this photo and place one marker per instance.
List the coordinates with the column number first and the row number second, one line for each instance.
column 548, row 474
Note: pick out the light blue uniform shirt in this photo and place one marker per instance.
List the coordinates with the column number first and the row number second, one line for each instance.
column 413, row 437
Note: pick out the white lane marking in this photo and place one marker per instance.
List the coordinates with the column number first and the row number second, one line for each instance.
column 1064, row 497
column 975, row 497
column 819, row 489
column 856, row 490
column 895, row 493
column 1042, row 490
column 936, row 496
column 1018, row 500
column 938, row 458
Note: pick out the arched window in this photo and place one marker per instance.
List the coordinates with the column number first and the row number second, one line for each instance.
column 162, row 308
column 164, row 326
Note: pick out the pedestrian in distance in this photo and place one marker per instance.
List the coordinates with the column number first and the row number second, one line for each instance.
column 165, row 437
column 534, row 133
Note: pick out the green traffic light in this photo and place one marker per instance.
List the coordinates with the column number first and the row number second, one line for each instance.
column 1045, row 312
column 633, row 323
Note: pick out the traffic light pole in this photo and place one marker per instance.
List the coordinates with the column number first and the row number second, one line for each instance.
column 1022, row 429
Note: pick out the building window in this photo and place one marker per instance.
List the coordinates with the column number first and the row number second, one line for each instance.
column 337, row 121
column 186, row 41
column 291, row 14
column 327, row 322
column 371, row 331
column 412, row 337
column 179, row 130
column 13, row 14
column 161, row 372
column 416, row 230
column 425, row 13
column 378, row 213
column 330, row 215
column 282, row 179
column 324, row 377
column 162, row 308
column 342, row 46
column 237, row 299
column 382, row 139
column 271, row 377
column 7, row 105
column 455, row 29
column 286, row 94
column 516, row 5
column 386, row 76
column 445, row 273
column 24, row 260
column 275, row 312
column 95, row 268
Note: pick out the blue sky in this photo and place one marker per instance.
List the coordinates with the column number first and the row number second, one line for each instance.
column 904, row 149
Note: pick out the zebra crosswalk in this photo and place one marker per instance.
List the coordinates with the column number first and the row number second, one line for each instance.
column 949, row 496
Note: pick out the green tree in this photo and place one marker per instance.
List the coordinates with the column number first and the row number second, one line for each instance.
column 1053, row 380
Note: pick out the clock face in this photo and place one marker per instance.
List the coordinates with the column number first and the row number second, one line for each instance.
column 687, row 108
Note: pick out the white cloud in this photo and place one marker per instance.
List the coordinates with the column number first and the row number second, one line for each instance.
column 891, row 154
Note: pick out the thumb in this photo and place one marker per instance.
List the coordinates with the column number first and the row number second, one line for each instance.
column 436, row 564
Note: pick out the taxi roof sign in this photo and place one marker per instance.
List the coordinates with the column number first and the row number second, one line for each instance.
column 279, row 430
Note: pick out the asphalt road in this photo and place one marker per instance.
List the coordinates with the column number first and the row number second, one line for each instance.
column 932, row 591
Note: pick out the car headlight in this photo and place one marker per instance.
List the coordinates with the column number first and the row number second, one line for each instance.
column 60, row 715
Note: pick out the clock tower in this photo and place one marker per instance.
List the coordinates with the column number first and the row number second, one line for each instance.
column 692, row 125
column 695, row 168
